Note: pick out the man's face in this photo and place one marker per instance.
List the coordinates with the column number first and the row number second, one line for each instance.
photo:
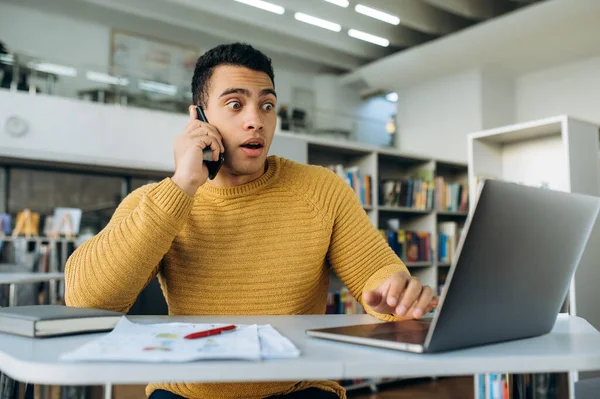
column 241, row 104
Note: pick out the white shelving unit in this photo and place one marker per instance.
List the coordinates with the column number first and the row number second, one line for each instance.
column 560, row 153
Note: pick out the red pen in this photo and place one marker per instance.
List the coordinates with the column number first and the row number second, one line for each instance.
column 208, row 333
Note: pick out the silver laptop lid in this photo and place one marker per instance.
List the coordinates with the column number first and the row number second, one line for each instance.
column 514, row 264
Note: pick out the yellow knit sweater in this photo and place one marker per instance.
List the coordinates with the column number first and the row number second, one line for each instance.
column 262, row 248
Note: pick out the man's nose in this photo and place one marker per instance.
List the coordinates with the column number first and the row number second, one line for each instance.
column 253, row 120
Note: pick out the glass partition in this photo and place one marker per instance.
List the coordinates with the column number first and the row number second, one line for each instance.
column 370, row 121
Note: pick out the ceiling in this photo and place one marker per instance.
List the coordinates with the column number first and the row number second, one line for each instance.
column 420, row 22
column 228, row 20
column 545, row 35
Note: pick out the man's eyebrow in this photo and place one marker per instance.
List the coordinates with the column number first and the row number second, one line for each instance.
column 246, row 92
column 236, row 90
column 265, row 92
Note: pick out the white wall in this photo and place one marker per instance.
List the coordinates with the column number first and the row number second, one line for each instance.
column 497, row 98
column 435, row 117
column 71, row 131
column 572, row 89
column 68, row 130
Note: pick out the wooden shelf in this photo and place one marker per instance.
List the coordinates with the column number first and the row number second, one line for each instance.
column 368, row 207
column 403, row 209
column 443, row 264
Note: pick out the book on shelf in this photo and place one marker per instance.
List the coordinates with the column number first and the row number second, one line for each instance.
column 448, row 234
column 360, row 182
column 413, row 193
column 505, row 386
column 342, row 302
column 451, row 196
column 5, row 224
column 410, row 246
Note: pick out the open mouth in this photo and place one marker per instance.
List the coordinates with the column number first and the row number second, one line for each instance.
column 252, row 146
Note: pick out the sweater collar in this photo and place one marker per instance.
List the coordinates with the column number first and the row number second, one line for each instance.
column 273, row 167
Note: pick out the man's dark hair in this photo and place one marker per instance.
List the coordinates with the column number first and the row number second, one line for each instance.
column 237, row 54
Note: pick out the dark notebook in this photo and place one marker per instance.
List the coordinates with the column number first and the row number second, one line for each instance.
column 52, row 320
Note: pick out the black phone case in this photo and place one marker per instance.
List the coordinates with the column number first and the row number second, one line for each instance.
column 212, row 166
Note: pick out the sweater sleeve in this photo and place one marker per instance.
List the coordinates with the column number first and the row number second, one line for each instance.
column 110, row 270
column 358, row 252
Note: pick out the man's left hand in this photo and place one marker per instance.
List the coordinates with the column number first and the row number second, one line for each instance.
column 401, row 295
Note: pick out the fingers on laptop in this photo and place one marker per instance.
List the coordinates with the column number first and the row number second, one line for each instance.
column 414, row 300
column 423, row 302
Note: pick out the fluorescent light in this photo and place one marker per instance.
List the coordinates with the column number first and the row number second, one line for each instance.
column 263, row 5
column 53, row 68
column 322, row 23
column 367, row 37
column 380, row 15
column 105, row 78
column 393, row 97
column 341, row 3
column 156, row 87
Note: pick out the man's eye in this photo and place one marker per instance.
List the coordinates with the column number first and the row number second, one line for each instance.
column 234, row 105
column 267, row 107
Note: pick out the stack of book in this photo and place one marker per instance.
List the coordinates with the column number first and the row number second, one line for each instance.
column 448, row 234
column 413, row 193
column 451, row 197
column 361, row 183
column 342, row 302
column 410, row 246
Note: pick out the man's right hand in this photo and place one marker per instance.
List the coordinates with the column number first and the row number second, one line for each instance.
column 190, row 171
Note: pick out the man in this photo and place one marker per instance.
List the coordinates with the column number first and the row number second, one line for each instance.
column 258, row 239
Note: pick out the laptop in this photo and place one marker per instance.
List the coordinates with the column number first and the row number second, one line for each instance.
column 512, row 271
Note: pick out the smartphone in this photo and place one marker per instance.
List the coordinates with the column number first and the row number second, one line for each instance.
column 207, row 154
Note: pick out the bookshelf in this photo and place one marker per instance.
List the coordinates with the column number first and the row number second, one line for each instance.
column 559, row 153
column 38, row 255
column 384, row 164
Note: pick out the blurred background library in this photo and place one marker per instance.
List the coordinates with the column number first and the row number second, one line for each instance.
column 411, row 102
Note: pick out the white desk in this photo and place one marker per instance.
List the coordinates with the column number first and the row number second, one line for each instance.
column 13, row 279
column 572, row 345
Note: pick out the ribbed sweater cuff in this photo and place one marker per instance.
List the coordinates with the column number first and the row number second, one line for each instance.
column 171, row 199
column 375, row 281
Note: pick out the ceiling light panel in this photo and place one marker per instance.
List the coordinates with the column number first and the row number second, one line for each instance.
column 380, row 15
column 321, row 23
column 264, row 5
column 341, row 3
column 367, row 37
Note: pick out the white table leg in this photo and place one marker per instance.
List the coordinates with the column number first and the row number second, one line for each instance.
column 12, row 295
column 52, row 286
column 108, row 391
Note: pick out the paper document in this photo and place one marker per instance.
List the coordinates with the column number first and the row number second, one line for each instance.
column 165, row 342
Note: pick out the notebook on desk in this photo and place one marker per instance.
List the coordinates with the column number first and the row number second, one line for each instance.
column 52, row 320
column 513, row 267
